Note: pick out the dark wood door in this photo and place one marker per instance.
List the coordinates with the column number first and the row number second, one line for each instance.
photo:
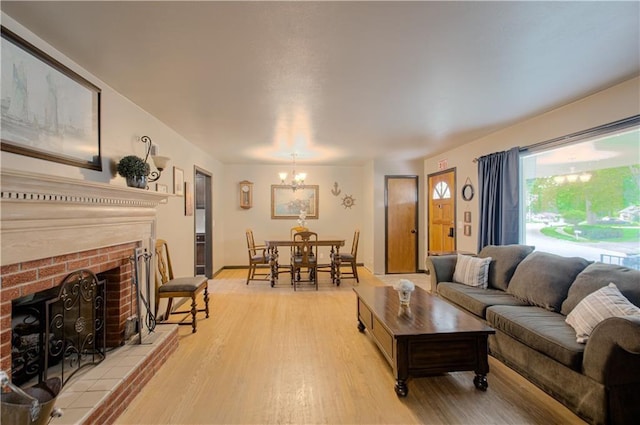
column 442, row 208
column 401, row 195
column 203, row 224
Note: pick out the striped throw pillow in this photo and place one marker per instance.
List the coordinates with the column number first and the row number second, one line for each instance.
column 599, row 305
column 472, row 271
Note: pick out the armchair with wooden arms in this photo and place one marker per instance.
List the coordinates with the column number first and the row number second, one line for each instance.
column 257, row 258
column 168, row 286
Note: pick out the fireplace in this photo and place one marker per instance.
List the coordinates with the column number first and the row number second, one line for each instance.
column 52, row 226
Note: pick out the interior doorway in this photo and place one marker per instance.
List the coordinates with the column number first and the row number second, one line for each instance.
column 203, row 224
column 442, row 211
column 401, row 214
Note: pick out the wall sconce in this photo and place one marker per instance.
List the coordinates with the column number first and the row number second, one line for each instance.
column 159, row 161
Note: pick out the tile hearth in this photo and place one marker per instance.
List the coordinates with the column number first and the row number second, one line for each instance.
column 97, row 394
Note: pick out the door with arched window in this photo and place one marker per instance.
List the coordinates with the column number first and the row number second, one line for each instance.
column 442, row 211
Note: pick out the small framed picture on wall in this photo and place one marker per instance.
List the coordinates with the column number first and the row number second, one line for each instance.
column 188, row 199
column 467, row 230
column 467, row 216
column 178, row 181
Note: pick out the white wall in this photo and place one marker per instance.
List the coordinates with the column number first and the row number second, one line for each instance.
column 382, row 168
column 618, row 102
column 335, row 221
column 365, row 249
column 121, row 123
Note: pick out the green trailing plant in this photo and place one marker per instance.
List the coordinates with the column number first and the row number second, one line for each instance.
column 133, row 166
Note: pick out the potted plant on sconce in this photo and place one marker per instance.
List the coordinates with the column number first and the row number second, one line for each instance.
column 135, row 170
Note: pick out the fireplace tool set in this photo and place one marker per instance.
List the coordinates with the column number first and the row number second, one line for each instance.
column 143, row 256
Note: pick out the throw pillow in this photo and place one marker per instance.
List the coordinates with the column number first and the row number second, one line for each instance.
column 472, row 271
column 598, row 275
column 505, row 260
column 597, row 306
column 543, row 279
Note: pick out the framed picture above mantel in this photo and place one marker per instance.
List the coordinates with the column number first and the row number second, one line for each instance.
column 48, row 111
column 287, row 203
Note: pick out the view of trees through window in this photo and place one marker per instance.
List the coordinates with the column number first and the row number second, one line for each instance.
column 584, row 199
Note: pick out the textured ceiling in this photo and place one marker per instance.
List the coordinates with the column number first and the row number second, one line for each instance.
column 342, row 82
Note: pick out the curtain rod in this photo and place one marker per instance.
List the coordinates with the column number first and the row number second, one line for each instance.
column 595, row 131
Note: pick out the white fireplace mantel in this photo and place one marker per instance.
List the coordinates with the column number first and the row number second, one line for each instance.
column 45, row 216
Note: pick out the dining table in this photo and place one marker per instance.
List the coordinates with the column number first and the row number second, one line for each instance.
column 334, row 244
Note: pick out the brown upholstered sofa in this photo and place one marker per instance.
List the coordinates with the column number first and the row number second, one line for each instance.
column 528, row 297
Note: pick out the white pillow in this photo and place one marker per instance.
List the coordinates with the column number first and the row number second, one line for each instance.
column 599, row 305
column 472, row 271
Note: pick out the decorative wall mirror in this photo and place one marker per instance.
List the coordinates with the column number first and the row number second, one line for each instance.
column 467, row 190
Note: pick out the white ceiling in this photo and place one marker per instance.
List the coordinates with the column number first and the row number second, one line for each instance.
column 342, row 82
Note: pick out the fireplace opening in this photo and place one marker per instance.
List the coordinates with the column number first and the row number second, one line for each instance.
column 59, row 331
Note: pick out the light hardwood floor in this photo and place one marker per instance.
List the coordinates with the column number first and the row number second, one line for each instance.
column 270, row 355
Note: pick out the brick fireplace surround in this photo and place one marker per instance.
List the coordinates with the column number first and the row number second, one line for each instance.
column 52, row 226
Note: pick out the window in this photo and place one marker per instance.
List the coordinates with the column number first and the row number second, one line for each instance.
column 583, row 198
column 441, row 191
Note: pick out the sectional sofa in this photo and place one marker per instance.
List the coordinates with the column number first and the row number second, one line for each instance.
column 527, row 297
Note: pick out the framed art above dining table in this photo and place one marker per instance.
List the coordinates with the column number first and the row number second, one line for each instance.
column 287, row 203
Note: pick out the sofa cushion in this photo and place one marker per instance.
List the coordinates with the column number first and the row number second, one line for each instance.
column 543, row 279
column 599, row 305
column 540, row 329
column 475, row 300
column 472, row 271
column 599, row 275
column 505, row 259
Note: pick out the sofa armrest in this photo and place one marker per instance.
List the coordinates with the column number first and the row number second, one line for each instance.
column 612, row 353
column 440, row 268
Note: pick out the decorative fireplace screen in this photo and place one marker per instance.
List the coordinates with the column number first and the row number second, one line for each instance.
column 62, row 328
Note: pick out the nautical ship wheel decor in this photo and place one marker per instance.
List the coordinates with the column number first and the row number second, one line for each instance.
column 348, row 201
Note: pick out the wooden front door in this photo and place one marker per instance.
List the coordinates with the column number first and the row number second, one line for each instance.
column 402, row 224
column 442, row 211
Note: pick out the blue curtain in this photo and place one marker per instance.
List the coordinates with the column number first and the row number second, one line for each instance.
column 499, row 197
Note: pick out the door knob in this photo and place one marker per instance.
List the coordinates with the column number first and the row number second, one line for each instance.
column 450, row 232
column 414, row 231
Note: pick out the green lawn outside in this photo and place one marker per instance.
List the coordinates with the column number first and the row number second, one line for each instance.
column 602, row 233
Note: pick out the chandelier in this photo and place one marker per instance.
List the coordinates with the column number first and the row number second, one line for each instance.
column 297, row 179
column 573, row 177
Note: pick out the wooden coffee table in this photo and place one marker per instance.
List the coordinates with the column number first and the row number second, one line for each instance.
column 429, row 337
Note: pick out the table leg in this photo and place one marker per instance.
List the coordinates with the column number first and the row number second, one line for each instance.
column 480, row 381
column 332, row 256
column 273, row 262
column 337, row 265
column 361, row 326
column 401, row 388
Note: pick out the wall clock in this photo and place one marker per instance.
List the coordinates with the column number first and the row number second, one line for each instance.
column 246, row 194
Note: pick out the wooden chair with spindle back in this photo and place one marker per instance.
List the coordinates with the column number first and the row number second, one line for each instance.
column 170, row 287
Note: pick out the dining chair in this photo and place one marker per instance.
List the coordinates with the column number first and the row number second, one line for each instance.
column 297, row 229
column 350, row 258
column 170, row 287
column 257, row 258
column 304, row 256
